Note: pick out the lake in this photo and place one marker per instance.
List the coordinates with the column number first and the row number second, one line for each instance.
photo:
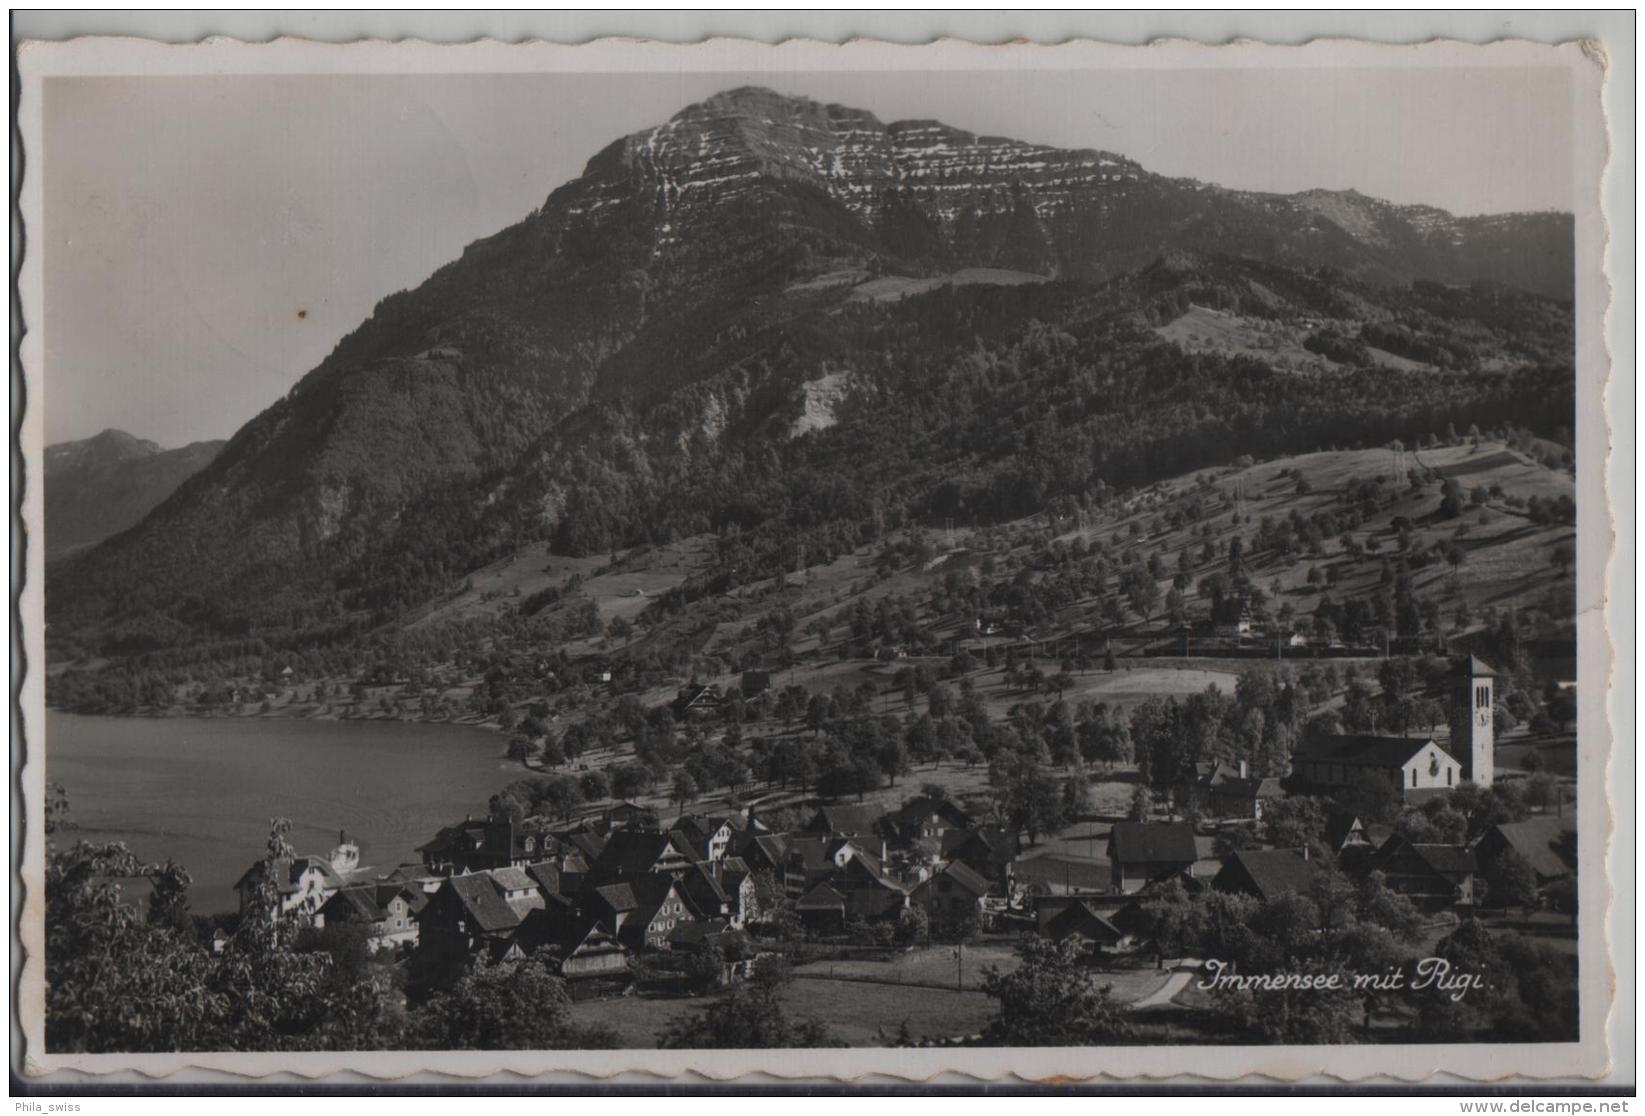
column 202, row 790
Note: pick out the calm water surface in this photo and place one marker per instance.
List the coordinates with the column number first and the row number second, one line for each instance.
column 202, row 791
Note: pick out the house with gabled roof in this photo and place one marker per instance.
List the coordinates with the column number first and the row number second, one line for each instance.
column 763, row 852
column 1548, row 845
column 811, row 859
column 821, row 909
column 696, row 702
column 1344, row 831
column 1077, row 918
column 1140, row 852
column 923, row 818
column 629, row 812
column 466, row 917
column 659, row 908
column 1432, row 876
column 845, row 821
column 387, row 910
column 710, row 838
column 638, row 852
column 1230, row 791
column 588, row 955
column 303, row 884
column 1266, row 874
column 952, row 895
column 703, row 892
column 476, row 845
column 989, row 850
column 1417, row 767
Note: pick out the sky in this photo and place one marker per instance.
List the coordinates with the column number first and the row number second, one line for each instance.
column 208, row 240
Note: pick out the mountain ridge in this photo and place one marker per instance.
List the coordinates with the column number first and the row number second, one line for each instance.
column 660, row 300
column 100, row 486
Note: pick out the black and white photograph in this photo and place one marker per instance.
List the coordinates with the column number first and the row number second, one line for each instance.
column 874, row 553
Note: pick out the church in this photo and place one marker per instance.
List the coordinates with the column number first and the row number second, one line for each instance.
column 1419, row 766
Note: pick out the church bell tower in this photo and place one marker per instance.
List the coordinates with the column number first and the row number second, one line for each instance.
column 1473, row 721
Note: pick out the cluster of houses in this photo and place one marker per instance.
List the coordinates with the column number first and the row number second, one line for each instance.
column 600, row 893
column 608, row 889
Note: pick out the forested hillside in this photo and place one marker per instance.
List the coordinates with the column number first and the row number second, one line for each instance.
column 754, row 323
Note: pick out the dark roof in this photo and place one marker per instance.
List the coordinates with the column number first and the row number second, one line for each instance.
column 547, row 876
column 497, row 836
column 774, row 846
column 699, row 830
column 618, row 896
column 1145, row 843
column 812, row 852
column 650, row 892
column 412, row 874
column 1538, row 841
column 820, row 898
column 357, row 902
column 289, row 872
column 702, row 892
column 567, row 932
column 1442, row 860
column 990, row 843
column 1447, row 860
column 632, row 852
column 1366, row 751
column 1266, row 872
column 1474, row 667
column 1079, row 918
column 844, row 819
column 1339, row 826
column 923, row 806
column 589, row 844
column 1236, row 787
column 513, row 879
column 479, row 896
column 416, row 898
column 966, row 876
column 873, row 902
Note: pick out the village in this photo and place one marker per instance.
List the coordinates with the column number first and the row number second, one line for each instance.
column 640, row 912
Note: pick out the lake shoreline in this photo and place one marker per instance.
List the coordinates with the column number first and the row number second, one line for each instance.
column 201, row 789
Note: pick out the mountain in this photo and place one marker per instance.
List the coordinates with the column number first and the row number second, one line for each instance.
column 957, row 325
column 100, row 486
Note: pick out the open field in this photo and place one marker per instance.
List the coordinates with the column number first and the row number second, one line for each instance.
column 864, row 1014
column 1202, row 329
column 892, row 287
column 933, row 965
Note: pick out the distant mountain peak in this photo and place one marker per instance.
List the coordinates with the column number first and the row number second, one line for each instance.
column 107, row 447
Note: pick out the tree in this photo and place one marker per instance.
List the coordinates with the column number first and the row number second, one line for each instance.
column 513, row 1006
column 593, row 786
column 1142, row 803
column 1029, row 798
column 748, row 1016
column 1295, row 822
column 1513, row 881
column 1051, row 1000
column 892, row 758
column 685, row 788
column 1562, row 558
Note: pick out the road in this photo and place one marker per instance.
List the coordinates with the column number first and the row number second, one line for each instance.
column 1182, row 972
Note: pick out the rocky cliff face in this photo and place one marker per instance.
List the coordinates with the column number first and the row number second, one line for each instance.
column 938, row 195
